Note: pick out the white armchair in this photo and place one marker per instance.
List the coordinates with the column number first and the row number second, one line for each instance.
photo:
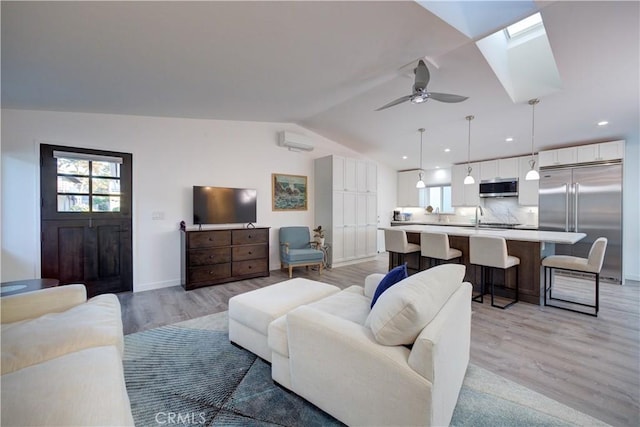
column 340, row 365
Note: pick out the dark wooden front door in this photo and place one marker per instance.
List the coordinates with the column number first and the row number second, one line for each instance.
column 86, row 218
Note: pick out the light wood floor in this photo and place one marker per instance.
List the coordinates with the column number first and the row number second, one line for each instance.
column 590, row 364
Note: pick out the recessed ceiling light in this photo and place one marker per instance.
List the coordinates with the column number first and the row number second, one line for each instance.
column 509, row 139
column 404, row 157
column 446, row 150
column 437, row 167
column 603, row 123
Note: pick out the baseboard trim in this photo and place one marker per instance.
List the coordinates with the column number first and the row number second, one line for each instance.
column 354, row 261
column 156, row 285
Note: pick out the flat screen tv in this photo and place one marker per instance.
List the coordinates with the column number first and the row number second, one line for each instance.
column 219, row 205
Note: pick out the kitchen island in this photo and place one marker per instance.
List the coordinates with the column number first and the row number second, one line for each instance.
column 528, row 245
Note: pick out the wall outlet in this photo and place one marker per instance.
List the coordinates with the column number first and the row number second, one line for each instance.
column 157, row 215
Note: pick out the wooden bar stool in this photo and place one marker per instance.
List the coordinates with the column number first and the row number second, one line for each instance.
column 396, row 243
column 591, row 265
column 492, row 252
column 435, row 247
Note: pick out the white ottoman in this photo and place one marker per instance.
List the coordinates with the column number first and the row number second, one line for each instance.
column 251, row 313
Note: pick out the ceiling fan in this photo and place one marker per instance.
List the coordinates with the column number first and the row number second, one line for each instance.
column 420, row 93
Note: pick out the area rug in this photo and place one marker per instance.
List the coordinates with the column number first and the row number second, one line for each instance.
column 189, row 374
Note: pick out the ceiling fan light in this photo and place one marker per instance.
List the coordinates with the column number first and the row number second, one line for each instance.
column 418, row 99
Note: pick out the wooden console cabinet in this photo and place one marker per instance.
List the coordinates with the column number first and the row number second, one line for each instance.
column 211, row 257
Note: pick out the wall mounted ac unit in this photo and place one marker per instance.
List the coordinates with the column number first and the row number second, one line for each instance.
column 294, row 142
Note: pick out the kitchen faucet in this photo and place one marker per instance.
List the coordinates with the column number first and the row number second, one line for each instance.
column 438, row 213
column 478, row 207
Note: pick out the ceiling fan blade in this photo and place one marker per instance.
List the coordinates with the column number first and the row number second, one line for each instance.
column 422, row 77
column 447, row 97
column 396, row 102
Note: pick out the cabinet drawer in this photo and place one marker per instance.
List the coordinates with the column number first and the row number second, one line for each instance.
column 243, row 237
column 254, row 266
column 199, row 257
column 205, row 239
column 212, row 272
column 242, row 253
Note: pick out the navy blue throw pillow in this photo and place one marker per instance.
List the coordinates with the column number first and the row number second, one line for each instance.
column 393, row 276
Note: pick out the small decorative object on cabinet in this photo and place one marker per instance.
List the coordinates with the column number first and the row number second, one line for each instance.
column 211, row 257
column 318, row 235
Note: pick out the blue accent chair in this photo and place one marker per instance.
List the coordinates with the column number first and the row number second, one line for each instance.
column 296, row 249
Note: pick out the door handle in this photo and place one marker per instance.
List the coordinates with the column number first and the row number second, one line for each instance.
column 566, row 207
column 575, row 207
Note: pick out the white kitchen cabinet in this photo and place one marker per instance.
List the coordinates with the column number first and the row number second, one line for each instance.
column 366, row 225
column 372, row 177
column 499, row 169
column 361, row 176
column 361, row 209
column 337, row 176
column 349, row 248
column 598, row 152
column 489, row 170
column 350, row 175
column 372, row 225
column 372, row 240
column 527, row 190
column 372, row 209
column 612, row 150
column 561, row 156
column 337, row 216
column 350, row 208
column 367, row 176
column 361, row 241
column 344, row 173
column 509, row 167
column 408, row 194
column 465, row 194
column 346, row 206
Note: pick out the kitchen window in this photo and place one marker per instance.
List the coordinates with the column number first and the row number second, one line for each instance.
column 437, row 197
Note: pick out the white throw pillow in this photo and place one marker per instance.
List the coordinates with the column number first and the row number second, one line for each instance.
column 406, row 308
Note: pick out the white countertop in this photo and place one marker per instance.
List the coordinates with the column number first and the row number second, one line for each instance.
column 460, row 224
column 509, row 234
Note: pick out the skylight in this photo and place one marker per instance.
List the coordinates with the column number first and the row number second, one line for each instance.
column 527, row 24
column 521, row 57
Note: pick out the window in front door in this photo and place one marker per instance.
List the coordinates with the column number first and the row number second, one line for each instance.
column 87, row 183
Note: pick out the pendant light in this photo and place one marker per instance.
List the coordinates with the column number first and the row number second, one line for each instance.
column 420, row 183
column 469, row 179
column 533, row 174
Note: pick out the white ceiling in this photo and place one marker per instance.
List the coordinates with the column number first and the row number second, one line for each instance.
column 326, row 66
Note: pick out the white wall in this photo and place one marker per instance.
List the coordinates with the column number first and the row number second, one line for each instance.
column 170, row 155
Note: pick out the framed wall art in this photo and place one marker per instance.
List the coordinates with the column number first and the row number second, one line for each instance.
column 289, row 192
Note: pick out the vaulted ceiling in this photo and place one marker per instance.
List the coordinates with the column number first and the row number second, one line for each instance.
column 327, row 66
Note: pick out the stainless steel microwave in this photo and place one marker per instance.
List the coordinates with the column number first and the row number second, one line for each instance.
column 499, row 188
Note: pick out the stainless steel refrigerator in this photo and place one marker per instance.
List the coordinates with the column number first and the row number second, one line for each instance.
column 586, row 199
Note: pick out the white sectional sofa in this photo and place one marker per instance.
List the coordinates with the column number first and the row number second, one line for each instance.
column 401, row 362
column 62, row 360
